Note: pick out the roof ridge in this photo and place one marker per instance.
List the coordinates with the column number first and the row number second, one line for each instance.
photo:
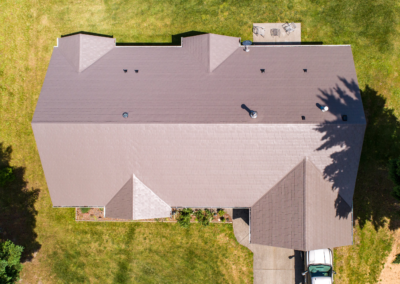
column 80, row 51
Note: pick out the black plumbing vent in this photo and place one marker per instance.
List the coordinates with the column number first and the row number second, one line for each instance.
column 305, row 70
column 262, row 70
column 136, row 71
column 344, row 117
column 125, row 70
column 303, row 117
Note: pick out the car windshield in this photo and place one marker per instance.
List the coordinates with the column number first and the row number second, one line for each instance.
column 320, row 270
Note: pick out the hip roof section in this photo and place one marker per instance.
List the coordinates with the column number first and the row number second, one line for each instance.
column 209, row 79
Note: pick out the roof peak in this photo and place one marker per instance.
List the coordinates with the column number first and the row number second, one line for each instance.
column 211, row 49
column 82, row 50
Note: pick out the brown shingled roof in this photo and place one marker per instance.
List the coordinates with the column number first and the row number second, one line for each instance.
column 299, row 212
column 189, row 138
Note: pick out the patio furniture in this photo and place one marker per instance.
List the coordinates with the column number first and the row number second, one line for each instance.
column 275, row 32
column 259, row 31
column 289, row 28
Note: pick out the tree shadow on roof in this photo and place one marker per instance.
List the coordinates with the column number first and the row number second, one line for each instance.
column 372, row 200
column 17, row 210
column 176, row 40
column 341, row 135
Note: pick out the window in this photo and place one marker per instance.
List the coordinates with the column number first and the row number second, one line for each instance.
column 320, row 270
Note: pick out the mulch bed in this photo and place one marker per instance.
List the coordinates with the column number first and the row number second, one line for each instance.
column 97, row 215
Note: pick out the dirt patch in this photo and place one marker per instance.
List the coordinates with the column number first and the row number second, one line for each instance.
column 391, row 272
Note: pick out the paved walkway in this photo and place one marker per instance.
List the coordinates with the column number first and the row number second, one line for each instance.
column 270, row 264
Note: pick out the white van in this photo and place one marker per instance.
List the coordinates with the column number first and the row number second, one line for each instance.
column 319, row 267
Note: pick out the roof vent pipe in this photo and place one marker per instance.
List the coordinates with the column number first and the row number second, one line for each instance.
column 246, row 44
column 324, row 108
column 253, row 114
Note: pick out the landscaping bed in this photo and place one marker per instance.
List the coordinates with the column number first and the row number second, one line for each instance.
column 97, row 215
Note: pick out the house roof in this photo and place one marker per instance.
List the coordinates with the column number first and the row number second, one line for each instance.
column 188, row 137
column 300, row 212
column 81, row 50
column 135, row 201
column 206, row 80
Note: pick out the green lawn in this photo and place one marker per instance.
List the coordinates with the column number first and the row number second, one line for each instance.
column 88, row 252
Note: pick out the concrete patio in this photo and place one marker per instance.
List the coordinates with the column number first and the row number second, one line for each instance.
column 292, row 38
column 270, row 264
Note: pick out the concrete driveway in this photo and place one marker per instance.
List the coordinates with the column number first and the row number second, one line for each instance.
column 270, row 264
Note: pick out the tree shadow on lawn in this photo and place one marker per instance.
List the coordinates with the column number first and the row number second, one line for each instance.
column 17, row 210
column 372, row 200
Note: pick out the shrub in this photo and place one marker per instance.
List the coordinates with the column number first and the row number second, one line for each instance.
column 394, row 174
column 204, row 216
column 85, row 209
column 183, row 218
column 221, row 213
column 6, row 176
column 10, row 266
column 397, row 259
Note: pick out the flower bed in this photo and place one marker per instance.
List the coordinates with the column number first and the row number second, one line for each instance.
column 97, row 215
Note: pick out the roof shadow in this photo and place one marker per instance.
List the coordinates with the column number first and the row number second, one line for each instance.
column 243, row 214
column 290, row 43
column 176, row 40
column 87, row 33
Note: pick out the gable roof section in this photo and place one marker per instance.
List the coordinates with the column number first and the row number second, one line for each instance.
column 82, row 50
column 135, row 201
column 299, row 213
column 210, row 49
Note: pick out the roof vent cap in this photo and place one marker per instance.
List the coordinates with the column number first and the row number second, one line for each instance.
column 125, row 70
column 253, row 114
column 125, row 115
column 324, row 108
column 246, row 44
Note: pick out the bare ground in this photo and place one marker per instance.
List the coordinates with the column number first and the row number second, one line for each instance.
column 391, row 272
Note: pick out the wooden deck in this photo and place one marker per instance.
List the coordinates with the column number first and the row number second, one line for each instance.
column 292, row 38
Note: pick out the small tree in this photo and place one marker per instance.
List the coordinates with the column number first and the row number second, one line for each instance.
column 394, row 174
column 10, row 266
column 184, row 217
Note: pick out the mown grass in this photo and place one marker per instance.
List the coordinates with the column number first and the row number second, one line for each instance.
column 363, row 262
column 86, row 252
column 149, row 253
